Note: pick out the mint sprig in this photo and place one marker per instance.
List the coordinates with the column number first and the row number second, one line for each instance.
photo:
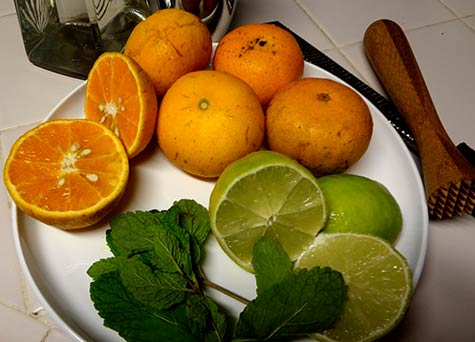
column 289, row 304
column 152, row 287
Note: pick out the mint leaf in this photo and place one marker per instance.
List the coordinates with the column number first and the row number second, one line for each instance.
column 194, row 218
column 153, row 235
column 110, row 242
column 134, row 232
column 270, row 262
column 205, row 318
column 104, row 266
column 149, row 290
column 218, row 322
column 197, row 318
column 172, row 251
column 133, row 320
column 307, row 302
column 197, row 314
column 157, row 289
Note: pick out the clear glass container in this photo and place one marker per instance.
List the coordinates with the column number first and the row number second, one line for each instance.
column 67, row 36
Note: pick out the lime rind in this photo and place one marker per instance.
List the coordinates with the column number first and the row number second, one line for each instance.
column 368, row 264
column 265, row 193
column 358, row 204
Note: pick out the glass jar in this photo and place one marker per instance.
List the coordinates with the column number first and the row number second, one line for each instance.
column 67, row 36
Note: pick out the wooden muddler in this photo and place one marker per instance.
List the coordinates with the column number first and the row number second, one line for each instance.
column 449, row 179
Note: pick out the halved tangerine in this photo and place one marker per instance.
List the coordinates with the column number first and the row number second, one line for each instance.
column 67, row 173
column 120, row 95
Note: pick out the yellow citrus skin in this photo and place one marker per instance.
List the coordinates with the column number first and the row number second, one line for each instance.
column 67, row 173
column 207, row 120
column 322, row 123
column 266, row 56
column 168, row 44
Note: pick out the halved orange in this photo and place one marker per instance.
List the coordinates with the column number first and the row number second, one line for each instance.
column 67, row 173
column 120, row 95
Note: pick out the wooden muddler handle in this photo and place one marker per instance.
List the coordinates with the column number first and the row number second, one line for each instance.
column 392, row 59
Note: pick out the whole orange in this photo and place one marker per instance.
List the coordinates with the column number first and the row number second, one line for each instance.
column 208, row 119
column 323, row 124
column 169, row 44
column 266, row 56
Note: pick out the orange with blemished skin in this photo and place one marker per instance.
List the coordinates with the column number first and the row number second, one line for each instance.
column 208, row 119
column 266, row 56
column 168, row 44
column 322, row 123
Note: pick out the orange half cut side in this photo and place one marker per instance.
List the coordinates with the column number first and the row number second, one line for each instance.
column 67, row 173
column 120, row 95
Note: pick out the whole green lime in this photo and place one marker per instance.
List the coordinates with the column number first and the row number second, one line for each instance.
column 358, row 204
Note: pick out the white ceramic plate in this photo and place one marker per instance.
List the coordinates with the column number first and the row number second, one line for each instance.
column 55, row 261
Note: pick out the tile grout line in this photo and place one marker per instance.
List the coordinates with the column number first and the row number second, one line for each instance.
column 472, row 28
column 453, row 11
column 327, row 35
column 24, row 126
column 461, row 18
column 456, row 19
column 342, row 46
column 15, row 307
column 3, row 155
column 336, row 46
column 7, row 14
column 24, row 308
column 27, row 308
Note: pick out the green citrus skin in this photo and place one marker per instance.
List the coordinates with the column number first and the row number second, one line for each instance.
column 265, row 194
column 358, row 204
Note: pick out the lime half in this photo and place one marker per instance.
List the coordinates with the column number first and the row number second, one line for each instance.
column 265, row 194
column 378, row 278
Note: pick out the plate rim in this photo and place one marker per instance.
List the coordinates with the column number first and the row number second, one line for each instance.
column 32, row 282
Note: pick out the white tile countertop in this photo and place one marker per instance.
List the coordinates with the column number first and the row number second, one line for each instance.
column 442, row 35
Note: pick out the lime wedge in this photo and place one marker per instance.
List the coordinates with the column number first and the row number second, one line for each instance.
column 378, row 278
column 265, row 194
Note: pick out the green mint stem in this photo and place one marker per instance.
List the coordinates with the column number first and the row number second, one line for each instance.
column 221, row 289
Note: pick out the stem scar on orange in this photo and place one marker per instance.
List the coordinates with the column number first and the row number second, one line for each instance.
column 266, row 56
column 120, row 95
column 67, row 173
column 208, row 119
